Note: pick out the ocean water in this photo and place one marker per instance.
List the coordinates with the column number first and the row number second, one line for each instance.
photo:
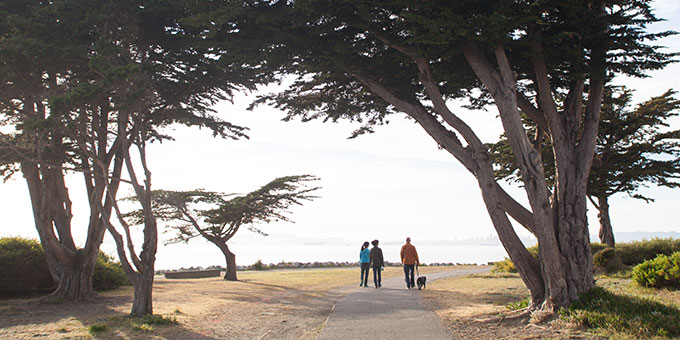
column 204, row 255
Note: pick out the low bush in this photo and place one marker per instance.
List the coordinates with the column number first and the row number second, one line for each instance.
column 634, row 253
column 258, row 265
column 23, row 267
column 635, row 316
column 23, row 260
column 662, row 271
column 608, row 260
column 629, row 254
column 505, row 266
column 108, row 273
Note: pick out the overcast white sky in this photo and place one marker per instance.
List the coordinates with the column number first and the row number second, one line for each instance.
column 388, row 185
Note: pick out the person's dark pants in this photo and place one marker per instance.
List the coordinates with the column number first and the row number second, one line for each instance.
column 365, row 266
column 409, row 275
column 376, row 277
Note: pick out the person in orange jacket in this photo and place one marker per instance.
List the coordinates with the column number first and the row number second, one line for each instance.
column 409, row 257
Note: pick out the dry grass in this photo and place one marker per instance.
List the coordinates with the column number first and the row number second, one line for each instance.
column 277, row 304
column 474, row 307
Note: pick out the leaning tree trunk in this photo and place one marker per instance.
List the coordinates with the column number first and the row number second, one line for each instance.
column 231, row 261
column 606, row 232
column 527, row 266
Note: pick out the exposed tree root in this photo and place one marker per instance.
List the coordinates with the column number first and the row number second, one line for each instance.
column 514, row 315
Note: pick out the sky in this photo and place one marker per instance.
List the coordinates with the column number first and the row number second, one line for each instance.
column 387, row 185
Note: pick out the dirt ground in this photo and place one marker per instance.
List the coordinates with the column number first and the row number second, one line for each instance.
column 474, row 308
column 286, row 305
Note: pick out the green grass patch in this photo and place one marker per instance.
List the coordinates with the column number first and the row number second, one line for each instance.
column 160, row 319
column 146, row 323
column 97, row 328
column 524, row 303
column 610, row 313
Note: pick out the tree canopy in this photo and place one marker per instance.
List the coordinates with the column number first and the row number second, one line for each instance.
column 635, row 148
column 549, row 60
column 217, row 217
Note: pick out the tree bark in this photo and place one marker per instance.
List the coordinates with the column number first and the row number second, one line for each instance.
column 71, row 268
column 142, row 303
column 230, row 259
column 606, row 232
column 76, row 282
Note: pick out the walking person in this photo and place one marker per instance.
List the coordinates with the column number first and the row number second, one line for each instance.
column 377, row 263
column 409, row 258
column 365, row 261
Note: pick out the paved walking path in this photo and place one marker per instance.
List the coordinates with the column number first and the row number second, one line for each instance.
column 391, row 312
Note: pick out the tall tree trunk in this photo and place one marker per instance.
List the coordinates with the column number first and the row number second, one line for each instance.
column 606, row 232
column 574, row 242
column 231, row 261
column 71, row 268
column 76, row 282
column 142, row 303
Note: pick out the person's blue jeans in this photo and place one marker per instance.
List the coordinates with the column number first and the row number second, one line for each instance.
column 365, row 266
column 376, row 277
column 409, row 275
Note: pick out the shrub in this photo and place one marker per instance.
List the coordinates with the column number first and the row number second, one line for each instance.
column 629, row 254
column 639, row 317
column 662, row 271
column 505, row 266
column 25, row 260
column 258, row 265
column 634, row 253
column 108, row 273
column 597, row 247
column 23, row 266
column 608, row 260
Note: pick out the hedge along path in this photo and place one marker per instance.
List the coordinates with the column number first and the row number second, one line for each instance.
column 389, row 312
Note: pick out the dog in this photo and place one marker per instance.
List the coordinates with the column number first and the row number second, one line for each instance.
column 421, row 282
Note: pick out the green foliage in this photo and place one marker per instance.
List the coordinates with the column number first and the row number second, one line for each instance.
column 634, row 253
column 609, row 260
column 25, row 259
column 258, row 265
column 638, row 317
column 221, row 215
column 524, row 303
column 23, row 267
column 146, row 323
column 505, row 266
column 97, row 328
column 626, row 254
column 662, row 271
column 108, row 273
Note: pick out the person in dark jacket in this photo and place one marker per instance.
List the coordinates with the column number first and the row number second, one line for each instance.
column 364, row 260
column 377, row 263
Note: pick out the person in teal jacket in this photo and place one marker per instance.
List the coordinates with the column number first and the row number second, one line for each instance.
column 365, row 260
